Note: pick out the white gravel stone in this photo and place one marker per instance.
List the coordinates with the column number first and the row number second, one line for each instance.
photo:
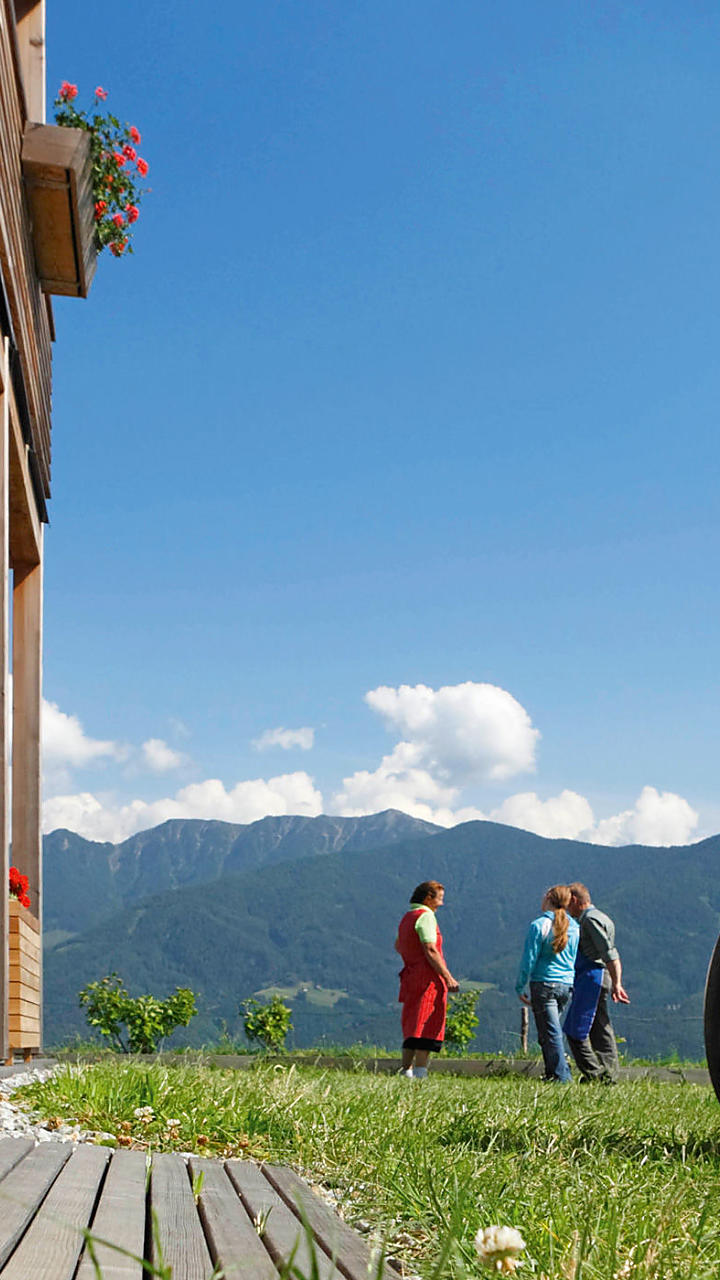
column 19, row 1122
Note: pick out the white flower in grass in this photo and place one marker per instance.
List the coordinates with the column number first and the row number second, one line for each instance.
column 498, row 1247
column 144, row 1114
column 173, row 1124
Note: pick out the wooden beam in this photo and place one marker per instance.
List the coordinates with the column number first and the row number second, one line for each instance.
column 26, row 766
column 4, row 699
column 25, row 524
column 30, row 28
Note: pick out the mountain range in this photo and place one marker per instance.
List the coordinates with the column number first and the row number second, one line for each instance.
column 309, row 906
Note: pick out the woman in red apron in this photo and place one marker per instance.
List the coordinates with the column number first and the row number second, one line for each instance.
column 424, row 979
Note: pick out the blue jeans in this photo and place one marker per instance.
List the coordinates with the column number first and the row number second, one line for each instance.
column 548, row 1003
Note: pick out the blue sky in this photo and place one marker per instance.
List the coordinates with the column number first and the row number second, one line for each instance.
column 413, row 380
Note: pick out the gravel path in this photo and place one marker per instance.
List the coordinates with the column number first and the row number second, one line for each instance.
column 17, row 1121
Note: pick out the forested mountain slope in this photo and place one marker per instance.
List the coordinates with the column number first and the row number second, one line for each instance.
column 330, row 922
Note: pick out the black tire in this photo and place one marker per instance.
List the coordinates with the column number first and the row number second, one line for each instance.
column 711, row 1018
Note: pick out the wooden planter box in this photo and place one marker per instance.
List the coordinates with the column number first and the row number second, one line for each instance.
column 24, row 1009
column 58, row 184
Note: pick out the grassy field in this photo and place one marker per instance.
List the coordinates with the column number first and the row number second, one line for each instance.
column 604, row 1183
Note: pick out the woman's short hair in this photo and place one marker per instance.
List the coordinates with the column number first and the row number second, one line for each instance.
column 428, row 889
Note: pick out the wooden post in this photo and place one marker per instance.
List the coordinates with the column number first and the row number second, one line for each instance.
column 4, row 693
column 524, row 1027
column 26, row 762
column 30, row 24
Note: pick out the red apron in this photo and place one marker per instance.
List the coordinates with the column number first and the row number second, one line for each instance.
column 423, row 993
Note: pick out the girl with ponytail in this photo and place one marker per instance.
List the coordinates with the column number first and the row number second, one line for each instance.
column 548, row 968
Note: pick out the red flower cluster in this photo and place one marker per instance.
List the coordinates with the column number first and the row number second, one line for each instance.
column 19, row 885
column 116, row 167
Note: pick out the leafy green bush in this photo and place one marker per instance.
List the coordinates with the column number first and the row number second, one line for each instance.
column 462, row 1020
column 267, row 1023
column 147, row 1020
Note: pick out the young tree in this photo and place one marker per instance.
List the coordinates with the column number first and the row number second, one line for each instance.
column 462, row 1020
column 147, row 1020
column 267, row 1023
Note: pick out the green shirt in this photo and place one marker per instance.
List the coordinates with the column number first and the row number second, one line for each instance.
column 426, row 924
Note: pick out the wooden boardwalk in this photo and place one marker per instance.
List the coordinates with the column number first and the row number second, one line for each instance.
column 195, row 1216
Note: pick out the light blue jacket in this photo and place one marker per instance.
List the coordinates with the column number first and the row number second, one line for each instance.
column 539, row 962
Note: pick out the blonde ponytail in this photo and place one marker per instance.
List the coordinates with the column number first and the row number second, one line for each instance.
column 558, row 898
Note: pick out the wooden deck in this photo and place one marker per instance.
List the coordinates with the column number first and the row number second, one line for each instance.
column 194, row 1216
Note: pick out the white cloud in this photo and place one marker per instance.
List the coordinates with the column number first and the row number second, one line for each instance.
column 159, row 757
column 398, row 784
column 66, row 745
column 453, row 736
column 464, row 732
column 658, row 818
column 285, row 738
column 96, row 819
column 568, row 815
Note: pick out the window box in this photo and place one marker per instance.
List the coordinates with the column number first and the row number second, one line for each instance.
column 24, row 1012
column 58, row 183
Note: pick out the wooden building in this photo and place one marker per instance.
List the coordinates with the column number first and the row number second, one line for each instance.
column 42, row 206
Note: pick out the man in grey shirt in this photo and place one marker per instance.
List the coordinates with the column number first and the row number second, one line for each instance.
column 598, row 972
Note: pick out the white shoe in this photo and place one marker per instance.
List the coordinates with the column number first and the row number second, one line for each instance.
column 407, row 1073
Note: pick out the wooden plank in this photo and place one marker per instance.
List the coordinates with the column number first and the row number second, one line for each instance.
column 25, row 544
column 283, row 1235
column 24, row 1188
column 25, row 945
column 120, row 1219
column 24, row 987
column 24, row 1008
column 24, row 1031
column 233, row 1240
column 27, row 930
column 31, row 48
column 25, row 964
column 51, row 1246
column 12, row 1151
column 350, row 1251
column 177, row 1234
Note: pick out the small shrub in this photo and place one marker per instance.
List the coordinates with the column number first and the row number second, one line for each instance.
column 268, row 1024
column 462, row 1020
column 147, row 1020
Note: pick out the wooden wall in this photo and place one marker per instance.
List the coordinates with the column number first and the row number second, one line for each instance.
column 29, row 309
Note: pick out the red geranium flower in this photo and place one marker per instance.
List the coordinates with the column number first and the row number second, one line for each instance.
column 118, row 219
column 25, row 900
column 142, row 166
column 135, row 135
column 100, row 208
column 129, row 152
column 133, row 213
column 101, row 93
column 68, row 91
column 119, row 158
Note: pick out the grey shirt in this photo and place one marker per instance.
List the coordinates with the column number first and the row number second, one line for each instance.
column 597, row 935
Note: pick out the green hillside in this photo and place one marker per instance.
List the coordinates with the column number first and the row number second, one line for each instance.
column 331, row 921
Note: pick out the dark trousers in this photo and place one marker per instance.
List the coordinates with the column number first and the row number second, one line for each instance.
column 596, row 1057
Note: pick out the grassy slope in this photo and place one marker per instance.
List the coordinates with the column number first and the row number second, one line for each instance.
column 605, row 1184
